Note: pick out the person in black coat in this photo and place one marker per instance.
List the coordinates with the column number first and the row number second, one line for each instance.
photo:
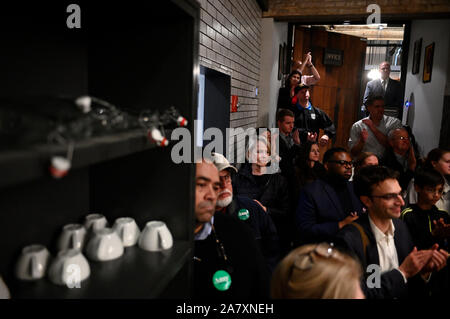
column 382, row 241
column 391, row 90
column 248, row 211
column 326, row 205
column 256, row 180
column 228, row 263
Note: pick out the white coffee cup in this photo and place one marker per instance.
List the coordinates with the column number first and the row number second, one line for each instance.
column 128, row 231
column 69, row 268
column 72, row 237
column 104, row 245
column 4, row 291
column 95, row 222
column 32, row 263
column 155, row 237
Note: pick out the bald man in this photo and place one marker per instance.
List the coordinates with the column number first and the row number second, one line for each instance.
column 388, row 88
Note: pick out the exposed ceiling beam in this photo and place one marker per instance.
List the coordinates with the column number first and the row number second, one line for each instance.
column 326, row 11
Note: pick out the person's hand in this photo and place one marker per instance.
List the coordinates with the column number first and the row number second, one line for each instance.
column 348, row 220
column 324, row 140
column 308, row 58
column 262, row 206
column 441, row 229
column 411, row 159
column 312, row 137
column 415, row 262
column 364, row 135
column 438, row 260
column 296, row 137
column 368, row 122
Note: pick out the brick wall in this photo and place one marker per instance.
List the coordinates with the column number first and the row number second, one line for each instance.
column 230, row 42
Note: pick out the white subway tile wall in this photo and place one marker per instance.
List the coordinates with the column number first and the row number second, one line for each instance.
column 230, row 42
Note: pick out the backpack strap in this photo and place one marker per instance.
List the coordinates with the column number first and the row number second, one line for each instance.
column 364, row 238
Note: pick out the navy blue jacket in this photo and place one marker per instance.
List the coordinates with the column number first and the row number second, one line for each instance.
column 392, row 282
column 319, row 211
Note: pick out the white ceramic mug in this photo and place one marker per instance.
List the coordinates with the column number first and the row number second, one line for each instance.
column 128, row 231
column 32, row 263
column 72, row 237
column 4, row 291
column 69, row 268
column 155, row 237
column 104, row 245
column 95, row 222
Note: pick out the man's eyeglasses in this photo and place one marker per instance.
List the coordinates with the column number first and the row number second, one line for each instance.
column 402, row 138
column 306, row 261
column 343, row 163
column 388, row 196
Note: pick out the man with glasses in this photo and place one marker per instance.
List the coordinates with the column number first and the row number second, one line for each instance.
column 382, row 241
column 327, row 205
column 248, row 211
column 400, row 156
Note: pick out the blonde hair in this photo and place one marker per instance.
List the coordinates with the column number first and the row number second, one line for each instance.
column 333, row 277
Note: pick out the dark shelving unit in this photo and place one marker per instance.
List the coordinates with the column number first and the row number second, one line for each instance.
column 129, row 55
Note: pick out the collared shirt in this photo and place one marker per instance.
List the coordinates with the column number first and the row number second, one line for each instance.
column 387, row 251
column 206, row 230
column 386, row 124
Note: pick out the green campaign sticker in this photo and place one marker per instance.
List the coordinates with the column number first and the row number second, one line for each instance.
column 221, row 280
column 243, row 214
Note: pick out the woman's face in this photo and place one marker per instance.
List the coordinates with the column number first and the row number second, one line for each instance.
column 259, row 154
column 443, row 165
column 371, row 160
column 314, row 153
column 295, row 79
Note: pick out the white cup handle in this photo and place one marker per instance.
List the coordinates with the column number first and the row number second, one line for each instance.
column 34, row 267
column 164, row 244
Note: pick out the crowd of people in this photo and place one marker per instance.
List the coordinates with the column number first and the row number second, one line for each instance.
column 367, row 221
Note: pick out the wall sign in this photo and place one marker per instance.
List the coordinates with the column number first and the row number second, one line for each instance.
column 332, row 57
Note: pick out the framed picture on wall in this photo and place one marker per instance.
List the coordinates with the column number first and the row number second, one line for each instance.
column 428, row 63
column 416, row 56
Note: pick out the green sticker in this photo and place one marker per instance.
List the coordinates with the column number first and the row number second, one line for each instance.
column 221, row 280
column 243, row 214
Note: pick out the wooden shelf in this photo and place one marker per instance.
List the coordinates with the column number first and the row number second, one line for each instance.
column 22, row 166
column 137, row 274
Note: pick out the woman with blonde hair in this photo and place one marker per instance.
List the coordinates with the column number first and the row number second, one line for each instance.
column 317, row 272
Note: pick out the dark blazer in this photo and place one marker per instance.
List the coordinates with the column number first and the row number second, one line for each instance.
column 392, row 282
column 319, row 211
column 393, row 97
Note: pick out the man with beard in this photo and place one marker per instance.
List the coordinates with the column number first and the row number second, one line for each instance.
column 380, row 239
column 327, row 205
column 247, row 211
column 228, row 263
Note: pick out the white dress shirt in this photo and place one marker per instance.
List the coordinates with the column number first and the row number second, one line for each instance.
column 387, row 251
column 384, row 83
